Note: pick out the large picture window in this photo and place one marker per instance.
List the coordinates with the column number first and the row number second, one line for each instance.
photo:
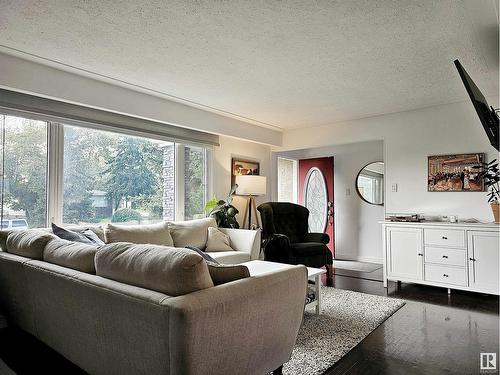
column 105, row 176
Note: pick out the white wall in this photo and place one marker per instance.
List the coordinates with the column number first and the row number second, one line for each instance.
column 232, row 147
column 357, row 232
column 39, row 79
column 409, row 137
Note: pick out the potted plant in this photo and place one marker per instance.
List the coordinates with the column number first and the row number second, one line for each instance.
column 223, row 211
column 490, row 174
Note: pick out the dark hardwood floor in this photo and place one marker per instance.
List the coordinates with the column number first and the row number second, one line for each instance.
column 432, row 334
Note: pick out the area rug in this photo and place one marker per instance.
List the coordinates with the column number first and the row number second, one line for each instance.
column 356, row 266
column 347, row 318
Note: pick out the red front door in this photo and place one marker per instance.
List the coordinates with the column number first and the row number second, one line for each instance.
column 316, row 193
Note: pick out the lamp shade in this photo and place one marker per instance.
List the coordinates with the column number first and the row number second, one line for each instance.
column 251, row 185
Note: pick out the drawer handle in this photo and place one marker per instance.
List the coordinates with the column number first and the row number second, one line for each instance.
column 420, row 254
column 445, row 256
column 444, row 238
column 472, row 259
column 445, row 275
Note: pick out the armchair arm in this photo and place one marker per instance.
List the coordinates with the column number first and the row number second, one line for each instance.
column 244, row 240
column 244, row 327
column 317, row 237
column 277, row 249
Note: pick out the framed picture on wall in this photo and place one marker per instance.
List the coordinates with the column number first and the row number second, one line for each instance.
column 241, row 167
column 454, row 172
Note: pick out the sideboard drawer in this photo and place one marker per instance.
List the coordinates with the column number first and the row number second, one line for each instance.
column 445, row 256
column 445, row 237
column 445, row 275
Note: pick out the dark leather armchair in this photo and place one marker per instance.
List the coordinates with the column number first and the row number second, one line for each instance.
column 287, row 240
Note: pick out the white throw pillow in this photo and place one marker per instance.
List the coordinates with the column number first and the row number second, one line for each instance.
column 217, row 241
column 191, row 232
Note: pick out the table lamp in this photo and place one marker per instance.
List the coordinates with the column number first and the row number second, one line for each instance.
column 250, row 186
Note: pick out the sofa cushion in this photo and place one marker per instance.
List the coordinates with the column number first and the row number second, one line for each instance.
column 301, row 249
column 85, row 236
column 230, row 257
column 168, row 270
column 155, row 234
column 76, row 255
column 191, row 232
column 28, row 243
column 222, row 273
column 3, row 238
column 217, row 241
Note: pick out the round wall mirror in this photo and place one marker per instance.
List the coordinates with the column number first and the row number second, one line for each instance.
column 370, row 183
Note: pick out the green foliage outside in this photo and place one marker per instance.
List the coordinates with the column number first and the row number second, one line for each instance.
column 124, row 215
column 25, row 170
column 194, row 182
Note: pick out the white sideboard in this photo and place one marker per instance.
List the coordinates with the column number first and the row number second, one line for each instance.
column 450, row 255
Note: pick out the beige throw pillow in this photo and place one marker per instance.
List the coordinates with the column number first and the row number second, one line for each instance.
column 166, row 270
column 155, row 234
column 192, row 232
column 76, row 255
column 28, row 243
column 217, row 241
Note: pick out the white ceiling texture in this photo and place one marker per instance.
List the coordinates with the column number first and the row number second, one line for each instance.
column 288, row 64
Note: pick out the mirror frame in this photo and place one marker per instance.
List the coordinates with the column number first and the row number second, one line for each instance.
column 356, row 183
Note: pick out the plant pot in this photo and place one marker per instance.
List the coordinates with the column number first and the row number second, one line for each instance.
column 495, row 207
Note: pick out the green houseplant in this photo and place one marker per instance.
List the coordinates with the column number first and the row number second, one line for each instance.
column 223, row 211
column 490, row 174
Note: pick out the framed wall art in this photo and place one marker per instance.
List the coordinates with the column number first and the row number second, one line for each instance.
column 241, row 167
column 454, row 172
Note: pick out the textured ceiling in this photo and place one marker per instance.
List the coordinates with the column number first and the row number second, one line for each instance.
column 284, row 63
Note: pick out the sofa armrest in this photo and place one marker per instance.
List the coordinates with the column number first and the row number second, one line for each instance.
column 245, row 327
column 244, row 240
column 317, row 237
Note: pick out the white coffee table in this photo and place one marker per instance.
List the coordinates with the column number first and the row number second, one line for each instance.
column 260, row 267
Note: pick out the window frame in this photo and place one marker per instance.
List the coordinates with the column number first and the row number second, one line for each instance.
column 55, row 162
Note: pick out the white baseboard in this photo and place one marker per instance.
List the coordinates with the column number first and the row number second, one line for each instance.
column 358, row 258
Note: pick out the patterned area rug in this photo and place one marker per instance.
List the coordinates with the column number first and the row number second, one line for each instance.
column 347, row 318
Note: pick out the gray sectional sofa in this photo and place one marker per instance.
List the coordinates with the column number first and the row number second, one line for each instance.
column 171, row 316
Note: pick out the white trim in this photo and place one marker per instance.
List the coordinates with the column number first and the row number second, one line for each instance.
column 340, row 256
column 55, row 171
column 179, row 181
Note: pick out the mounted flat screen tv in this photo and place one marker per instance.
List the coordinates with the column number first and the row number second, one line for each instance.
column 487, row 115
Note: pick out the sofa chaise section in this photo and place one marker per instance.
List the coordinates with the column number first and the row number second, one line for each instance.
column 108, row 327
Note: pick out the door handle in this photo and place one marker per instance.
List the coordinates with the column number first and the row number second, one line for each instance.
column 445, row 275
column 472, row 259
column 420, row 254
column 445, row 256
column 444, row 238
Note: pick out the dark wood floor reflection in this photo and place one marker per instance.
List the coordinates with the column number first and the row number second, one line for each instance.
column 432, row 334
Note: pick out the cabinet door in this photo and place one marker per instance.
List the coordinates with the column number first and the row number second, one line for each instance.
column 404, row 253
column 483, row 260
